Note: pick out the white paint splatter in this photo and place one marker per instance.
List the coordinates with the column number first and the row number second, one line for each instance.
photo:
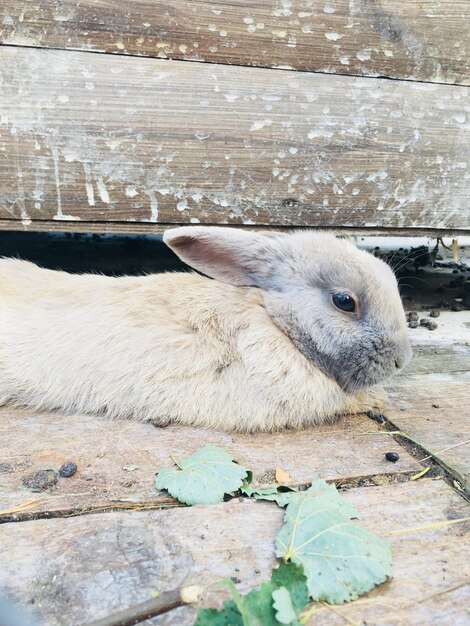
column 328, row 8
column 55, row 158
column 131, row 191
column 333, row 36
column 377, row 175
column 364, row 55
column 231, row 97
column 260, row 124
column 314, row 133
column 67, row 218
column 102, row 191
column 153, row 205
column 90, row 194
column 293, row 150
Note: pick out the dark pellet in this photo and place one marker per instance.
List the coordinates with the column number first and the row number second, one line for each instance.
column 376, row 416
column 68, row 469
column 434, row 313
column 413, row 324
column 392, row 457
column 41, row 480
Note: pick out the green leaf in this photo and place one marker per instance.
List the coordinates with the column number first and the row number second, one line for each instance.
column 261, row 494
column 282, row 604
column 256, row 607
column 202, row 478
column 340, row 559
column 292, row 577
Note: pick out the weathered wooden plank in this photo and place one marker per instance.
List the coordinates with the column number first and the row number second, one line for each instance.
column 428, row 359
column 78, row 569
column 104, row 448
column 434, row 410
column 430, row 400
column 99, row 138
column 142, row 228
column 414, row 40
column 444, row 350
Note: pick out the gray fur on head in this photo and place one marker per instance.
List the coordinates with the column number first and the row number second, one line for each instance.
column 298, row 274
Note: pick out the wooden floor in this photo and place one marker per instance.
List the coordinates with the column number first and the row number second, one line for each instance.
column 71, row 567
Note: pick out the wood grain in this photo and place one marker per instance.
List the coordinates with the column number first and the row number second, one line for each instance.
column 434, row 410
column 424, row 41
column 104, row 450
column 430, row 400
column 82, row 568
column 444, row 350
column 142, row 228
column 99, row 138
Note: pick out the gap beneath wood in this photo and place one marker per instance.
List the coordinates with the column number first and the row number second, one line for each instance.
column 253, row 67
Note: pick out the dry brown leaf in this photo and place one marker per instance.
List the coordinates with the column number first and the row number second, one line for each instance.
column 282, row 477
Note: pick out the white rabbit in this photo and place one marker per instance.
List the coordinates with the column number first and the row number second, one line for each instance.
column 294, row 330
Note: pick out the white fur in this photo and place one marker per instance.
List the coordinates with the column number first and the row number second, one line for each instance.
column 162, row 348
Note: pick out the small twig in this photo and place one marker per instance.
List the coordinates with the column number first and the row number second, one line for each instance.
column 420, row 474
column 456, row 445
column 338, row 612
column 163, row 603
column 175, row 460
column 441, row 241
column 443, row 524
column 24, row 506
column 307, row 613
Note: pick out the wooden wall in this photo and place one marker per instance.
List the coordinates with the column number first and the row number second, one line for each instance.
column 128, row 116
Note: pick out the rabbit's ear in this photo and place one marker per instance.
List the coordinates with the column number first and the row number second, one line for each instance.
column 234, row 256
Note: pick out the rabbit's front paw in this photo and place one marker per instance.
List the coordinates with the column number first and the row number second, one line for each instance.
column 372, row 399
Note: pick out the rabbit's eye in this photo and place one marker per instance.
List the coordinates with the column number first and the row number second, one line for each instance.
column 344, row 302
